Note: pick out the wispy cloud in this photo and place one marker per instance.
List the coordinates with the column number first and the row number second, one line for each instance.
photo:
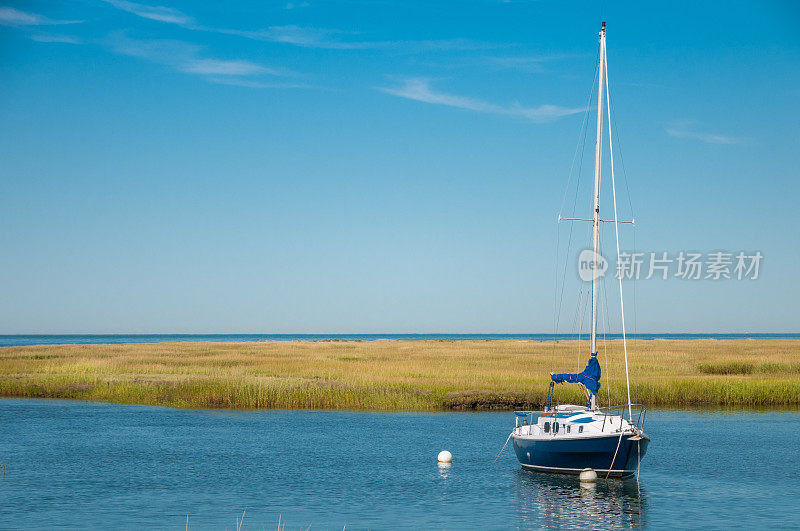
column 189, row 58
column 296, row 5
column 528, row 63
column 159, row 13
column 332, row 39
column 159, row 50
column 488, row 61
column 14, row 17
column 220, row 67
column 297, row 35
column 249, row 83
column 420, row 90
column 178, row 55
column 686, row 129
column 303, row 36
column 52, row 37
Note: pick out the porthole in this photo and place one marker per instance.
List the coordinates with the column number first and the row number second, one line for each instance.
column 580, row 429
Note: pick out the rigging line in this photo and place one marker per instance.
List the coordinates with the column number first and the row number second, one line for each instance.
column 582, row 310
column 616, row 232
column 604, row 285
column 613, row 116
column 635, row 326
column 578, row 325
column 576, row 328
column 556, row 305
column 622, row 162
column 580, row 333
column 635, row 319
column 633, row 213
column 577, row 321
column 602, row 289
column 605, row 359
column 588, row 302
column 583, row 317
column 582, row 132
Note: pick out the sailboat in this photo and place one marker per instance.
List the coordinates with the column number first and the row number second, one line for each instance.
column 566, row 438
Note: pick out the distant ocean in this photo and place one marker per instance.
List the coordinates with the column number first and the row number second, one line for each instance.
column 90, row 339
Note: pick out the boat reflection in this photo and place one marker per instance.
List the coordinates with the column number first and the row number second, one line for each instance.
column 551, row 500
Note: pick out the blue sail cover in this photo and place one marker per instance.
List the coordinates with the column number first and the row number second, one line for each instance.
column 589, row 377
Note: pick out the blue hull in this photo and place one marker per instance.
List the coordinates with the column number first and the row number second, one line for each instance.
column 570, row 456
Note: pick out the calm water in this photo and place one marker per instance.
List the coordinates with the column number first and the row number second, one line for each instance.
column 76, row 464
column 16, row 340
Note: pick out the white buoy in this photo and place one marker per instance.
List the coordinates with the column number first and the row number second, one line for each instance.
column 445, row 457
column 588, row 475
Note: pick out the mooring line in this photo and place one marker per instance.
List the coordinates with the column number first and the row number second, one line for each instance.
column 615, row 454
column 504, row 447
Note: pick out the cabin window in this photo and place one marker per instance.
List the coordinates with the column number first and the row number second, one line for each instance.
column 569, row 429
column 555, row 427
column 580, row 429
column 546, row 427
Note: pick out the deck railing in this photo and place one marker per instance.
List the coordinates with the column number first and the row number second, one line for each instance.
column 635, row 414
column 628, row 412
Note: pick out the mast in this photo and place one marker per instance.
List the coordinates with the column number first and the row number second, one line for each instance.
column 597, row 162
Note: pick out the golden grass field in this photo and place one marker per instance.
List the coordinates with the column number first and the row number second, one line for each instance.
column 389, row 375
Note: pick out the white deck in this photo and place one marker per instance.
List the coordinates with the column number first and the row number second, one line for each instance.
column 571, row 422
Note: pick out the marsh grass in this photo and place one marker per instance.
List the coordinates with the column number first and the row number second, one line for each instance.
column 740, row 367
column 389, row 375
column 730, row 367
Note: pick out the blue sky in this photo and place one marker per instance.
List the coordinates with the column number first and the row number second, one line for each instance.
column 320, row 166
